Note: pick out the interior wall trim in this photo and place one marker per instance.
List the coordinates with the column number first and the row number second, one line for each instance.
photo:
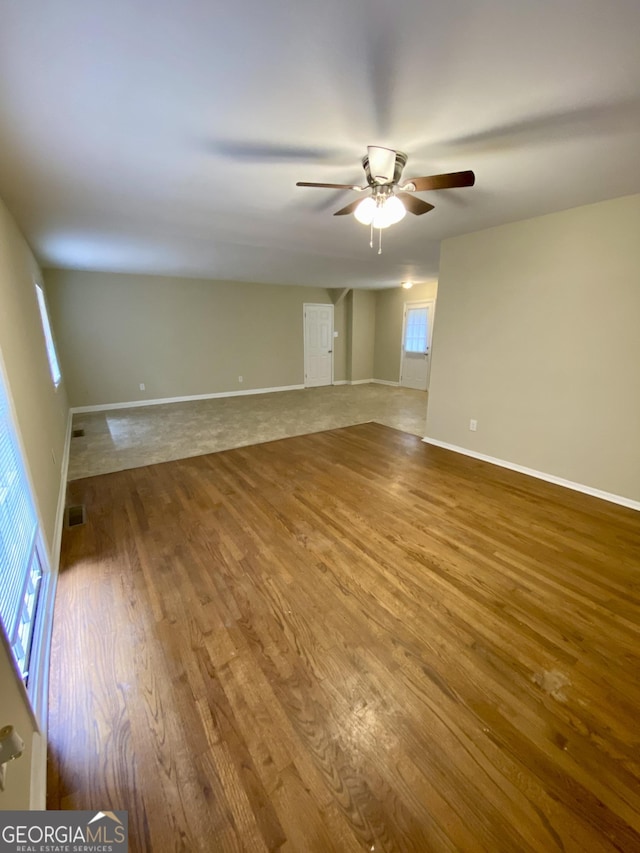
column 540, row 475
column 44, row 626
column 104, row 407
column 366, row 382
column 62, row 497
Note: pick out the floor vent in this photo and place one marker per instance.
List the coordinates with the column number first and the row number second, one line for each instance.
column 76, row 515
column 77, row 433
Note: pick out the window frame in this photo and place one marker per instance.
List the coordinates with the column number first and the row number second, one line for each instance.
column 36, row 676
column 47, row 331
column 419, row 341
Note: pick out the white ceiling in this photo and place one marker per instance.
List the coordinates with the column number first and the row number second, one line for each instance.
column 166, row 137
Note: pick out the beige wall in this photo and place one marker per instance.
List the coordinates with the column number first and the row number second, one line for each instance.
column 41, row 413
column 363, row 330
column 340, row 325
column 178, row 336
column 388, row 324
column 537, row 337
column 183, row 337
column 41, row 410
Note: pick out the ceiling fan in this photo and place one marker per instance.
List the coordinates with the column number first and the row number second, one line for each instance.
column 389, row 200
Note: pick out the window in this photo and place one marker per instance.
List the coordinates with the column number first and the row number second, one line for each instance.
column 19, row 544
column 48, row 337
column 416, row 332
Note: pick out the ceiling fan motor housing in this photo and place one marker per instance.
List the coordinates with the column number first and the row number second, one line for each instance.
column 401, row 161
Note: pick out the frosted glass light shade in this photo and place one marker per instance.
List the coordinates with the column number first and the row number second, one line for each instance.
column 389, row 213
column 392, row 211
column 365, row 211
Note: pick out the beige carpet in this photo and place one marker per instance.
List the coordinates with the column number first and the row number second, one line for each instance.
column 127, row 438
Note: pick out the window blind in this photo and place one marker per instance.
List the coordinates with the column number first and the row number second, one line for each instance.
column 19, row 568
column 416, row 332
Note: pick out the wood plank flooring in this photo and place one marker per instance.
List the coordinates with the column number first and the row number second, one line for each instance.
column 348, row 641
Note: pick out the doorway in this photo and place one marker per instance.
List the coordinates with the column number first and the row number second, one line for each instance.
column 318, row 345
column 417, row 329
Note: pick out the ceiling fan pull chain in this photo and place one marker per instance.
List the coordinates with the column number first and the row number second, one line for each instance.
column 379, row 241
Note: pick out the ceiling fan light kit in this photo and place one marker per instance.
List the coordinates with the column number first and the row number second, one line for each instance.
column 380, row 211
column 389, row 199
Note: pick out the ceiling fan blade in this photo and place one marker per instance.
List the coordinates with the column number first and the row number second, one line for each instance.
column 382, row 163
column 443, row 182
column 327, row 186
column 414, row 204
column 259, row 152
column 348, row 209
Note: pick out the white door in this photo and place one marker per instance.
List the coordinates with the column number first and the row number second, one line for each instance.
column 318, row 345
column 416, row 345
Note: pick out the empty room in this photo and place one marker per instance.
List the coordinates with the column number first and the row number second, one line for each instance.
column 320, row 426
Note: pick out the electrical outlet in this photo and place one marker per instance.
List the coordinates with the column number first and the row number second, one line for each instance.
column 239, row 378
column 142, row 386
column 473, row 425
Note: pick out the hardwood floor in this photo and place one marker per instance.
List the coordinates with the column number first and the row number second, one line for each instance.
column 348, row 641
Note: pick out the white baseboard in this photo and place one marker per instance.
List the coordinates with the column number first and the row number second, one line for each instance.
column 134, row 404
column 366, row 382
column 539, row 475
